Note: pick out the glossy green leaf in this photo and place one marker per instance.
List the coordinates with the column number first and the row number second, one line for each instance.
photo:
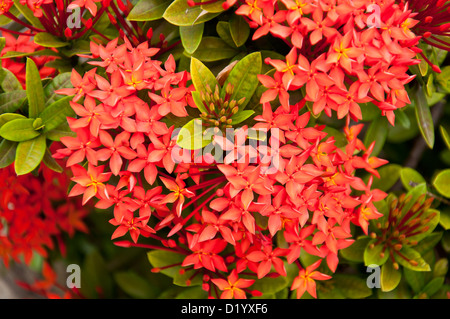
column 352, row 287
column 18, row 54
column 7, row 153
column 5, row 20
column 244, row 78
column 19, row 130
column 12, row 101
column 402, row 119
column 241, row 116
column 199, row 102
column 440, row 268
column 148, row 10
column 415, row 279
column 6, row 117
column 214, row 49
column 355, row 252
column 239, row 30
column 35, row 92
column 201, row 76
column 417, row 264
column 193, row 136
column 135, row 286
column 375, row 255
column 57, row 113
column 161, row 258
column 410, row 178
column 390, row 277
column 413, row 195
column 445, row 136
column 223, row 30
column 430, row 88
column 60, row 131
column 191, row 36
column 181, row 14
column 9, row 81
column 432, row 287
column 2, row 43
column 442, row 183
column 428, row 243
column 28, row 14
column 49, row 41
column 50, row 162
column 270, row 285
column 187, row 279
column 60, row 81
column 445, row 218
column 424, row 118
column 215, row 7
column 377, row 132
column 29, row 155
column 389, row 175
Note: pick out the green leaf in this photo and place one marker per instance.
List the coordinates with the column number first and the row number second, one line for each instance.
column 18, row 54
column 442, row 183
column 11, row 101
column 239, row 30
column 390, row 277
column 193, row 135
column 445, row 218
column 389, row 175
column 432, row 287
column 7, row 153
column 415, row 279
column 60, row 131
column 355, row 252
column 432, row 217
column 445, row 136
column 2, row 43
column 148, row 10
column 412, row 254
column 377, row 132
column 35, row 92
column 213, row 49
column 428, row 243
column 375, row 255
column 440, row 268
column 162, row 258
column 410, row 178
column 244, row 78
column 351, row 286
column 28, row 14
column 9, row 81
column 135, row 285
column 270, row 285
column 60, row 81
column 213, row 7
column 202, row 76
column 414, row 195
column 95, row 277
column 402, row 119
column 56, row 113
column 187, row 279
column 181, row 14
column 424, row 118
column 191, row 36
column 51, row 163
column 19, row 130
column 49, row 41
column 241, row 116
column 199, row 102
column 29, row 155
column 223, row 30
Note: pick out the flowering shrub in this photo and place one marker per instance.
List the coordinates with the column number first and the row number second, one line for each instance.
column 249, row 148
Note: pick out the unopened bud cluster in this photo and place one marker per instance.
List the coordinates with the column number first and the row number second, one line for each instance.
column 219, row 110
column 398, row 229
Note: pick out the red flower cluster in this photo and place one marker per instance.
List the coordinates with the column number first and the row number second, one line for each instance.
column 35, row 214
column 343, row 53
column 211, row 208
column 24, row 43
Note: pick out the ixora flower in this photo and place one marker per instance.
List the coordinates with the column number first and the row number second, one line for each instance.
column 203, row 209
